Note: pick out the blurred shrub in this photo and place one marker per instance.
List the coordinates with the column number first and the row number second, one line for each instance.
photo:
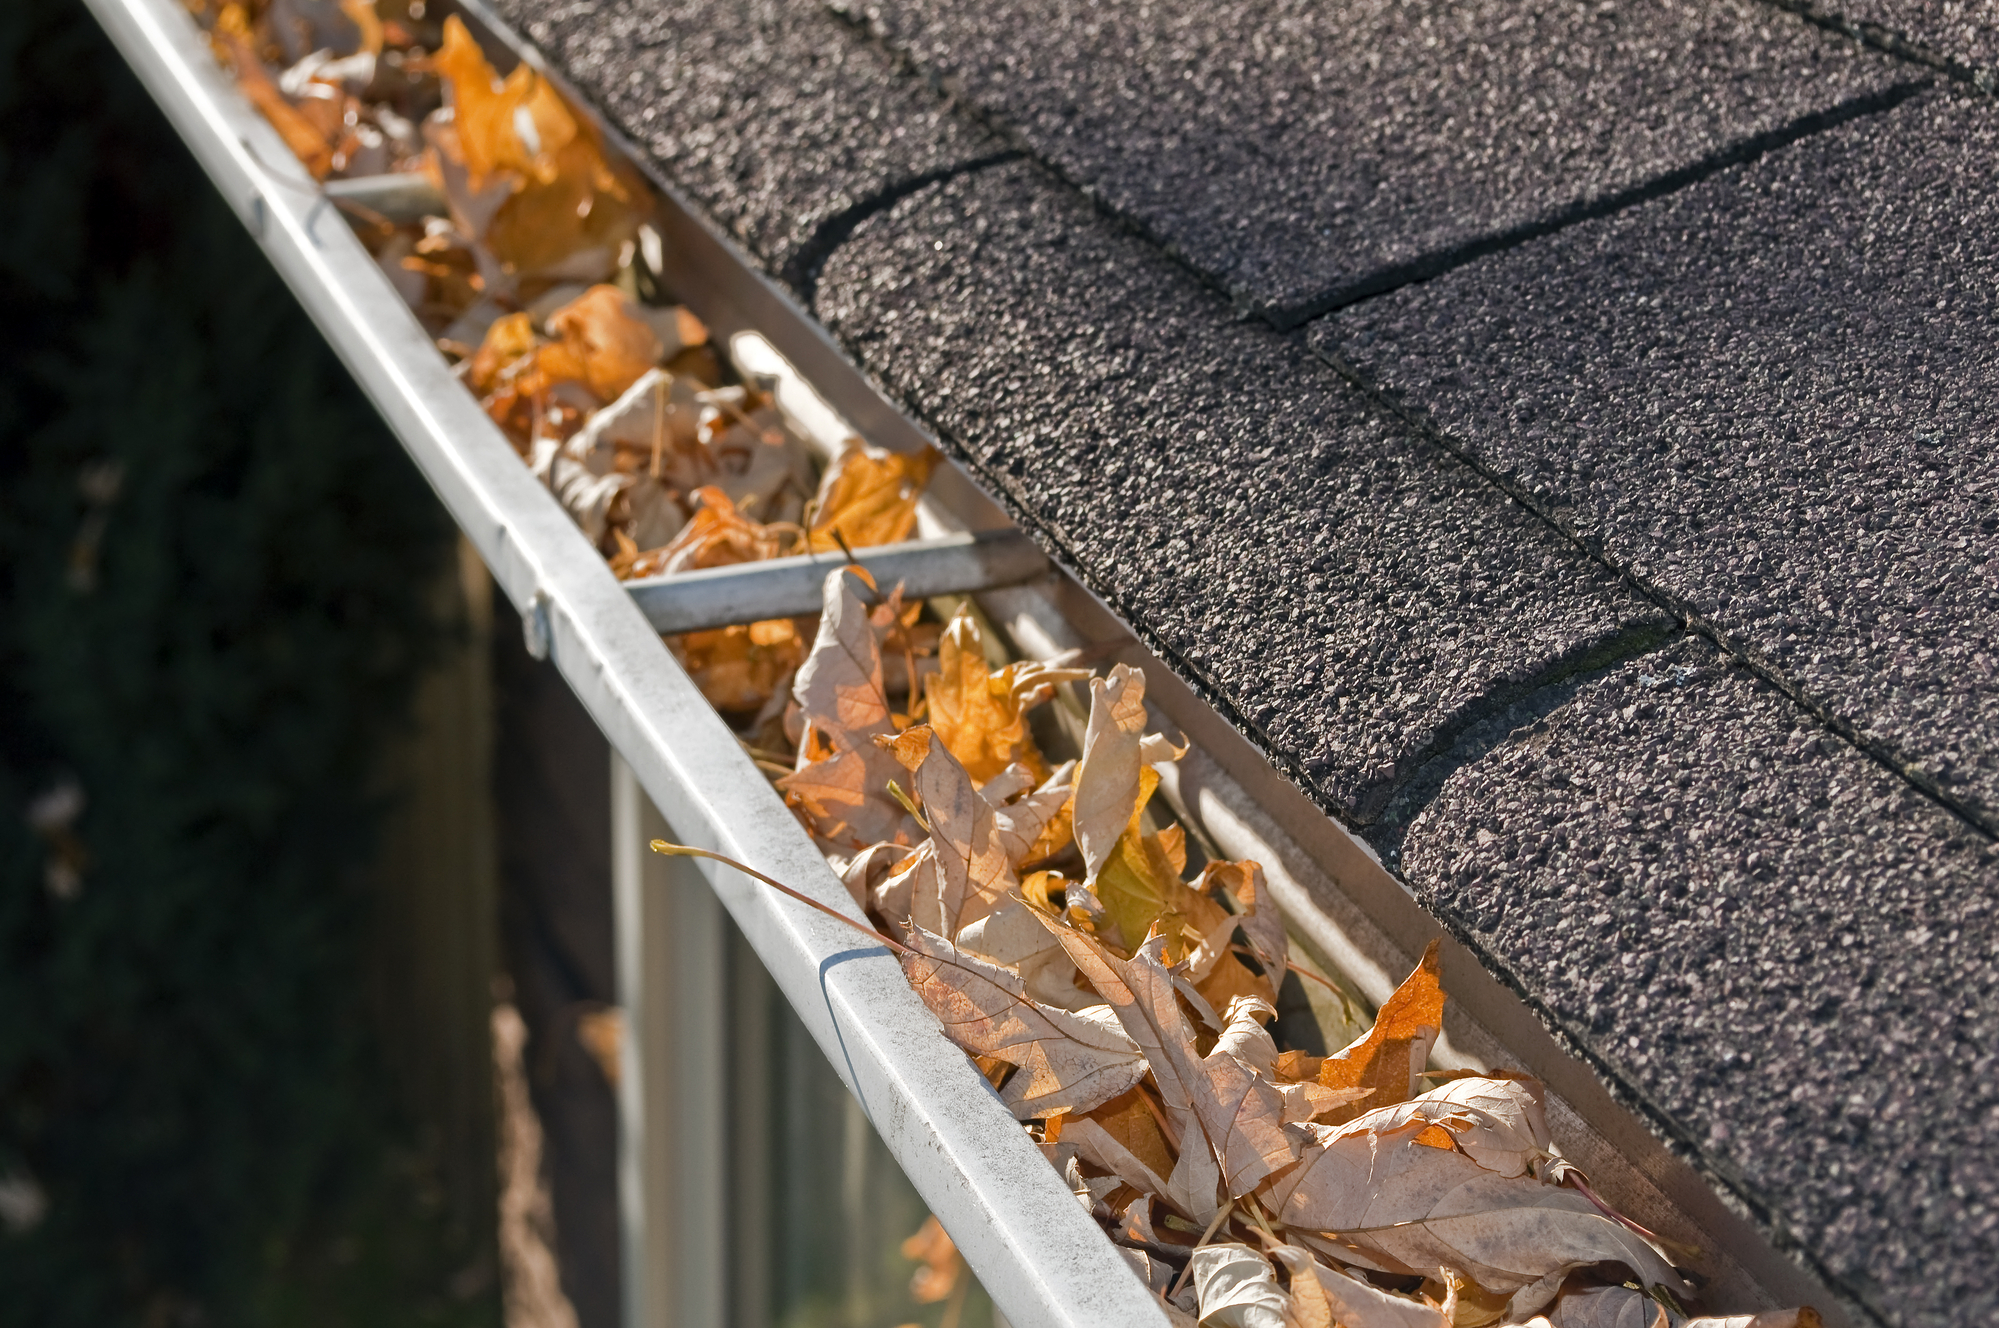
column 213, row 564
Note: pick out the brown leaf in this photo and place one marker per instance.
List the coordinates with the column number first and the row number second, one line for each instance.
column 1257, row 913
column 839, row 689
column 1805, row 1317
column 869, row 497
column 1107, row 782
column 307, row 143
column 1030, row 822
column 942, row 1264
column 1236, row 1106
column 973, row 874
column 1068, row 1061
column 1499, row 1123
column 1402, row 1207
column 1390, row 1057
column 567, row 208
column 1614, row 1307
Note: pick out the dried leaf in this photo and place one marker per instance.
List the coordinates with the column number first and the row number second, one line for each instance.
column 1236, row 1286
column 1397, row 1205
column 942, row 1264
column 973, row 874
column 1499, row 1122
column 980, row 714
column 1239, row 1110
column 839, row 689
column 305, row 140
column 567, row 209
column 1258, row 917
column 1030, row 823
column 868, row 497
column 1390, row 1057
column 1805, row 1317
column 1350, row 1302
column 611, row 346
column 1068, row 1061
column 1614, row 1307
column 1107, row 782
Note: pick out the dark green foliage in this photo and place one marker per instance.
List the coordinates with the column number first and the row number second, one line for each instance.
column 212, row 571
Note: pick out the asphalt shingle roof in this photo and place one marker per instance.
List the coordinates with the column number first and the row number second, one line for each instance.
column 1702, row 293
column 1774, row 396
column 1303, row 153
column 1765, row 934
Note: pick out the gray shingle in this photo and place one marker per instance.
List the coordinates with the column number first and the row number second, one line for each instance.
column 1964, row 32
column 1774, row 396
column 1775, row 941
column 774, row 115
column 1305, row 151
column 1354, row 594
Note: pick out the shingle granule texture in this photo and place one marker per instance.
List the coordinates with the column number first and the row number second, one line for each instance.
column 1774, row 941
column 1305, row 151
column 1965, row 32
column 1774, row 397
column 1350, row 591
column 772, row 114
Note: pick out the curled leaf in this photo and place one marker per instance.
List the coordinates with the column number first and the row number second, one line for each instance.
column 868, row 497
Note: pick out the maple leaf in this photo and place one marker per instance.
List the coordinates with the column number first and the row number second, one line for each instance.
column 563, row 208
column 611, row 348
column 868, row 497
column 1238, row 1109
column 1262, row 925
column 1032, row 825
column 1107, row 782
column 1501, row 1123
column 973, row 873
column 1069, row 1061
column 237, row 50
column 839, row 689
column 1612, row 1307
column 981, row 713
column 1389, row 1058
column 1396, row 1204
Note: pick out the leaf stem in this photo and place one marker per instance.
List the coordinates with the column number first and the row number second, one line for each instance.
column 688, row 851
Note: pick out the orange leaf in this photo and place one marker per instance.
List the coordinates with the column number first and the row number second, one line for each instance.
column 869, row 497
column 1390, row 1056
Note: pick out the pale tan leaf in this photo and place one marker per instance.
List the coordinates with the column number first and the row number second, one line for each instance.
column 1237, row 1287
column 839, row 689
column 973, row 874
column 1239, row 1110
column 1500, row 1123
column 1107, row 790
column 1612, row 1307
column 1350, row 1302
column 1026, row 818
column 1068, row 1062
column 1405, row 1207
column 1804, row 1317
column 1259, row 919
column 1096, row 1145
column 1143, row 997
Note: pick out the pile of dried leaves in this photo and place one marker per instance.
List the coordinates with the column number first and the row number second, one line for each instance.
column 1122, row 1013
column 534, row 272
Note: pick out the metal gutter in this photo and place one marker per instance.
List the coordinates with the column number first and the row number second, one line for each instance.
column 1043, row 1259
